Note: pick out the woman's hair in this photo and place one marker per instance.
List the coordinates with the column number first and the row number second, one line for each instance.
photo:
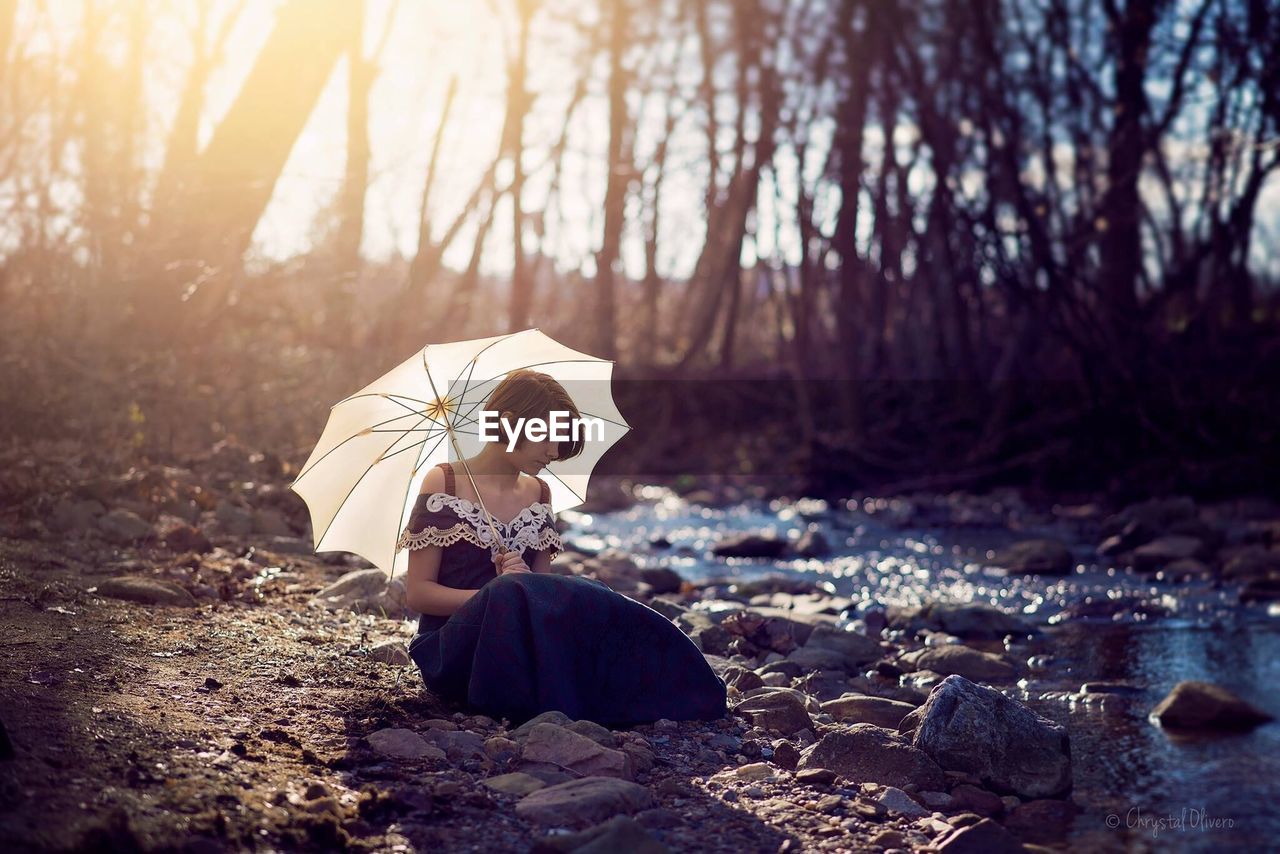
column 531, row 394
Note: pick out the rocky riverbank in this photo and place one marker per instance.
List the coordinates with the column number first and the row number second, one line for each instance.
column 187, row 673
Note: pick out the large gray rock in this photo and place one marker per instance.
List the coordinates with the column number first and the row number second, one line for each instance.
column 1202, row 705
column 702, row 629
column 457, row 744
column 981, row 837
column 364, row 590
column 577, row 803
column 1038, row 556
column 124, row 526
column 866, row 753
column 964, row 661
column 147, row 591
column 863, row 709
column 854, row 649
column 403, row 744
column 778, row 710
column 1163, row 551
column 977, row 730
column 963, row 619
column 577, row 753
column 750, row 545
column 554, row 716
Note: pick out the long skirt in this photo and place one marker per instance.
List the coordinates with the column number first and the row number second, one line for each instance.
column 528, row 643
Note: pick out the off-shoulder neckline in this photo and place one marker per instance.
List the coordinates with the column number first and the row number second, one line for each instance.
column 476, row 508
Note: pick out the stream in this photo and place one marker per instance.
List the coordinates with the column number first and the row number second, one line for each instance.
column 1139, row 787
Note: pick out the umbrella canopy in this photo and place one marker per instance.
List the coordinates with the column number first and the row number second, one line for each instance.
column 365, row 473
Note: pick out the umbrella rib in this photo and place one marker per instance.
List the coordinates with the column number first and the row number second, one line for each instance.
column 351, row 490
column 565, row 485
column 602, row 418
column 405, row 501
column 373, row 429
column 378, row 394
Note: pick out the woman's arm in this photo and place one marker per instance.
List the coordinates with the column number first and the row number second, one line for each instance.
column 422, row 593
column 542, row 563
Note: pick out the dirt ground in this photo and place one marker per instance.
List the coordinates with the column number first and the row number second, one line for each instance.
column 239, row 724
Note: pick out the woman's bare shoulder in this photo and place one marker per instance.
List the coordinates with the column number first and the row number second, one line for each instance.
column 433, row 482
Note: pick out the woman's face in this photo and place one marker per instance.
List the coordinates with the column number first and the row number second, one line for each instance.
column 532, row 457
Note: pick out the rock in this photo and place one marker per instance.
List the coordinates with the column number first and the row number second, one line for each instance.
column 786, row 755
column 550, row 717
column 775, row 710
column 937, row 800
column 588, row 800
column 871, row 754
column 402, row 744
column 965, row 661
column 515, row 783
column 976, row 799
column 1146, row 519
column 1202, row 705
column 146, row 591
column 577, row 753
column 750, row 544
column 705, row 632
column 975, row 729
column 123, row 527
column 268, row 520
column 601, row 735
column 815, row 776
column 1252, row 563
column 983, row 837
column 754, row 771
column 662, row 579
column 392, row 652
column 619, row 835
column 963, row 619
column 233, row 519
column 862, row 709
column 353, row 590
column 897, row 801
column 741, row 678
column 889, row 839
column 824, row 685
column 668, row 608
column 1042, row 822
column 820, row 659
column 1165, row 550
column 457, row 744
column 500, row 748
column 179, row 536
column 812, row 543
column 71, row 516
column 1038, row 556
column 753, row 545
column 854, row 649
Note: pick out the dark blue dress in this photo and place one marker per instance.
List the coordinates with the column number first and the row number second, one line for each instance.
column 533, row 642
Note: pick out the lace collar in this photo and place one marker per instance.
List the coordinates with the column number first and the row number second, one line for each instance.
column 475, row 513
column 532, row 527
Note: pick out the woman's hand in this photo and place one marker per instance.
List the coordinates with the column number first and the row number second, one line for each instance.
column 510, row 562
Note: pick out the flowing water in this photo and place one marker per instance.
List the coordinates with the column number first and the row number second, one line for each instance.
column 1140, row 787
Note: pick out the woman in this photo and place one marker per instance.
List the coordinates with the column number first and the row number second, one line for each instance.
column 500, row 632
